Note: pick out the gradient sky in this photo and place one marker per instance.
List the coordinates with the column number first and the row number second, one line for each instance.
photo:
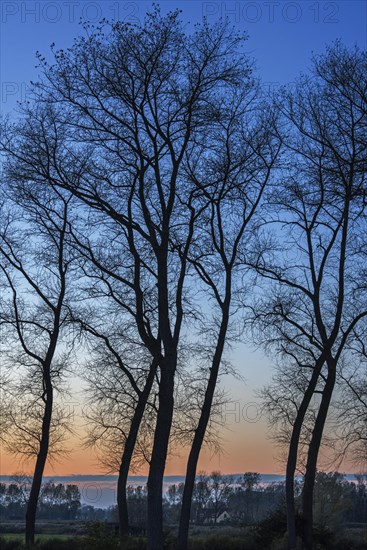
column 282, row 36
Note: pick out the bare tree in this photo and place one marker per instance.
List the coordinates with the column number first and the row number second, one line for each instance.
column 138, row 105
column 314, row 260
column 281, row 399
column 201, row 496
column 121, row 407
column 35, row 266
column 119, row 412
column 220, row 487
column 231, row 175
column 350, row 408
column 189, row 396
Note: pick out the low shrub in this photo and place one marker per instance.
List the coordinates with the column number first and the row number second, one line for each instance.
column 10, row 544
column 271, row 529
column 352, row 540
column 99, row 536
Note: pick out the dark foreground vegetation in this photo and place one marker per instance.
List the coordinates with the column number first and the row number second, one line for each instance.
column 227, row 513
column 265, row 536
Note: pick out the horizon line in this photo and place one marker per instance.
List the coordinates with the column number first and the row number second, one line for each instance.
column 174, row 475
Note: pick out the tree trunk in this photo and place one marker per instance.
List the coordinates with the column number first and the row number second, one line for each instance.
column 197, row 443
column 40, row 466
column 313, row 451
column 128, row 453
column 159, row 455
column 293, row 453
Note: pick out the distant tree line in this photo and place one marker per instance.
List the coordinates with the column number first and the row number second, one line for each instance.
column 217, row 500
column 242, row 501
column 57, row 501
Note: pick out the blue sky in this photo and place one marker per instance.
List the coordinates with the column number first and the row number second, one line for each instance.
column 282, row 36
column 282, row 33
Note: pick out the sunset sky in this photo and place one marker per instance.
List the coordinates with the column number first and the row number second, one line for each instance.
column 282, row 36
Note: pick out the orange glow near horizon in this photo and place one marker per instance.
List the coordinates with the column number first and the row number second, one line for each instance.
column 251, row 452
column 238, row 455
column 245, row 442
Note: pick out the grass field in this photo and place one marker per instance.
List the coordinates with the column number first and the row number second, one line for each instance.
column 98, row 537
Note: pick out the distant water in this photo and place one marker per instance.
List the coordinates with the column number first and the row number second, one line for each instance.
column 100, row 491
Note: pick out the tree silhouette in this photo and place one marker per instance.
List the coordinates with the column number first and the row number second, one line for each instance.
column 138, row 105
column 314, row 260
column 35, row 267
